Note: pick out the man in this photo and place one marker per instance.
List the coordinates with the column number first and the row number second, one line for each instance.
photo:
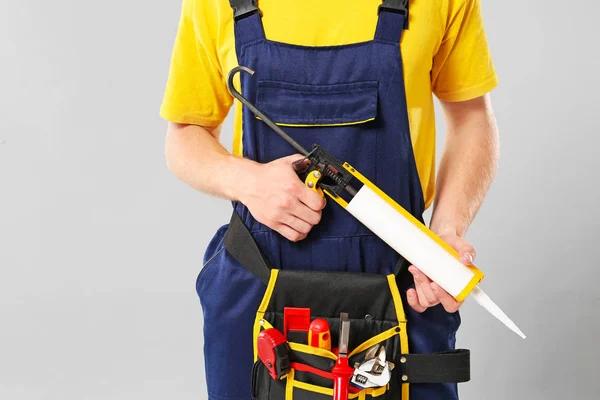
column 313, row 49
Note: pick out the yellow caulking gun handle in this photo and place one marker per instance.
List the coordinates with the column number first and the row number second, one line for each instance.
column 312, row 180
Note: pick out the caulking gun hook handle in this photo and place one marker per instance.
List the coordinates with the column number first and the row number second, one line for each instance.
column 257, row 112
column 234, row 91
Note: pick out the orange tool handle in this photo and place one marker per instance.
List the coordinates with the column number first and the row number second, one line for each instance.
column 319, row 335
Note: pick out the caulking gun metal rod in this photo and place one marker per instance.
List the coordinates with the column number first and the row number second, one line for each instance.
column 268, row 120
column 259, row 113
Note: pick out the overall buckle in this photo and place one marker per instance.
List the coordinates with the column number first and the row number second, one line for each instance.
column 396, row 6
column 243, row 8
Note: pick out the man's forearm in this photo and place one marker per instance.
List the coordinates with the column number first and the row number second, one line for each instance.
column 468, row 165
column 271, row 191
column 195, row 156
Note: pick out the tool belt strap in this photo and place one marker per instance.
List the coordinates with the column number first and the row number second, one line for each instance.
column 445, row 367
column 241, row 245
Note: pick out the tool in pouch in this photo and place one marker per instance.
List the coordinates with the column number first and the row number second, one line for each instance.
column 319, row 335
column 374, row 371
column 273, row 350
column 342, row 372
column 326, row 174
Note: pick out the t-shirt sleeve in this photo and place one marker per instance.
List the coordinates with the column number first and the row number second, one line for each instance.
column 196, row 92
column 462, row 67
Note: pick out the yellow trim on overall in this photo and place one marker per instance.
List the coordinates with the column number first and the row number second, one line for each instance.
column 262, row 308
column 238, row 144
column 478, row 274
column 317, row 125
column 374, row 340
column 401, row 322
column 312, row 350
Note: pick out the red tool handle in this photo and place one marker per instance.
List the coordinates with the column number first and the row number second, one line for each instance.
column 342, row 373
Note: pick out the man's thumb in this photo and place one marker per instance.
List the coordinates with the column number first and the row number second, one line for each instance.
column 466, row 252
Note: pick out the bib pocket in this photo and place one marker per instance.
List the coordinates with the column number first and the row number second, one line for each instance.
column 296, row 105
column 340, row 117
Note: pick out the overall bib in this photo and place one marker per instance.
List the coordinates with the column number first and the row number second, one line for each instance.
column 350, row 99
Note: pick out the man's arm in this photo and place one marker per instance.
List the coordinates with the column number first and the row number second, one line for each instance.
column 466, row 171
column 468, row 164
column 272, row 192
column 195, row 155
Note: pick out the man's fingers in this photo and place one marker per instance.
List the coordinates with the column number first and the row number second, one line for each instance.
column 309, row 197
column 292, row 158
column 413, row 301
column 422, row 283
column 448, row 302
column 297, row 224
column 312, row 199
column 306, row 214
column 421, row 296
column 467, row 254
column 289, row 233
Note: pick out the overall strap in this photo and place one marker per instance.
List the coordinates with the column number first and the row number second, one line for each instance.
column 393, row 19
column 241, row 245
column 247, row 22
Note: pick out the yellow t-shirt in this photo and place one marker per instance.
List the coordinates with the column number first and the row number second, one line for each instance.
column 445, row 52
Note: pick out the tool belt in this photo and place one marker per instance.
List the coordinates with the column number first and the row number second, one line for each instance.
column 376, row 315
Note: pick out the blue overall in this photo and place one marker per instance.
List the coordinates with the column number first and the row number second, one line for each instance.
column 351, row 100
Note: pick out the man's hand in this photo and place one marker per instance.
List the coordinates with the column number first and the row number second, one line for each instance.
column 272, row 192
column 427, row 293
column 277, row 198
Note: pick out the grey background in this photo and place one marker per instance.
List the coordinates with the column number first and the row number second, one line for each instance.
column 100, row 245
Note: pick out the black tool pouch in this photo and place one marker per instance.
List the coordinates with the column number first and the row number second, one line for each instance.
column 376, row 315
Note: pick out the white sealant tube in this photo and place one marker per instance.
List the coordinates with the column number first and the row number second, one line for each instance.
column 410, row 238
column 412, row 242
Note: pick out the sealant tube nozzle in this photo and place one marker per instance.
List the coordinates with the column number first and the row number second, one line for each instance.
column 487, row 303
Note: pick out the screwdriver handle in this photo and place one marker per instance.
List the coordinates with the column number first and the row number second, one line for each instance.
column 342, row 373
